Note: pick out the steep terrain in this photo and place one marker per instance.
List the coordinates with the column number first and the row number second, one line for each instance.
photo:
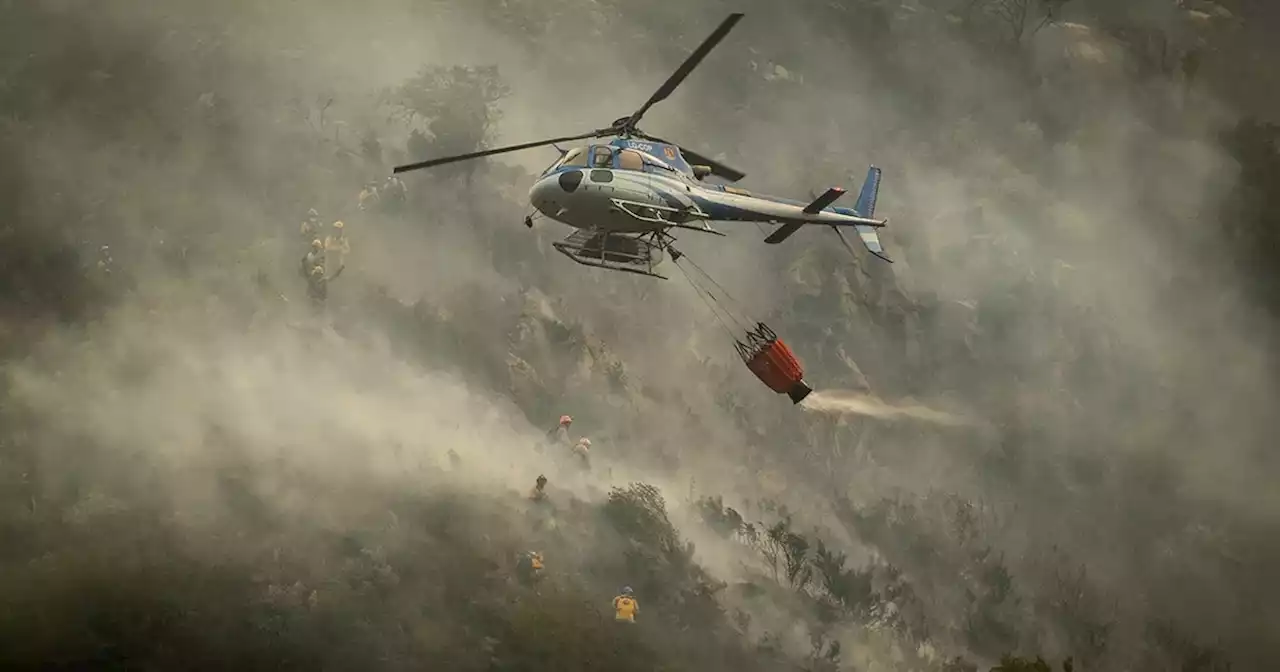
column 203, row 470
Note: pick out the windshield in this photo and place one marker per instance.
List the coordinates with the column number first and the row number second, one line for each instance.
column 572, row 158
column 575, row 158
column 602, row 156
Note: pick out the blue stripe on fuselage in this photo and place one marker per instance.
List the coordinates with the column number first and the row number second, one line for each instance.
column 721, row 211
column 661, row 151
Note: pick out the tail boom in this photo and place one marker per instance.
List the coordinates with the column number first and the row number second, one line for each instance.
column 861, row 216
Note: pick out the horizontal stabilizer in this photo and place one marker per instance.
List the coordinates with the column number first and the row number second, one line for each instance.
column 871, row 240
column 783, row 232
column 823, row 201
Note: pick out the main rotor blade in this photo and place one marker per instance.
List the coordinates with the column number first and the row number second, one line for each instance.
column 685, row 68
column 490, row 152
column 718, row 169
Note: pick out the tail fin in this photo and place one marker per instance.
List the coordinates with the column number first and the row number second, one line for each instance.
column 866, row 207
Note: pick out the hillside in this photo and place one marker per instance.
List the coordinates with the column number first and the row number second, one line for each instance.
column 205, row 470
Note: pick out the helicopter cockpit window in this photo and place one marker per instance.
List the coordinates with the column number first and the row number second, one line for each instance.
column 629, row 159
column 602, row 157
column 574, row 158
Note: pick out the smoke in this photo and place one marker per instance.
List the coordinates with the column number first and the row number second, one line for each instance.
column 1054, row 271
column 840, row 402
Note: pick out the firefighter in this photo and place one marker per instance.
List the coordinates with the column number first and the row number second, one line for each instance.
column 314, row 257
column 560, row 433
column 529, row 567
column 625, row 607
column 393, row 193
column 106, row 264
column 337, row 244
column 311, row 226
column 317, row 284
column 582, row 451
column 368, row 197
column 541, row 513
column 539, row 492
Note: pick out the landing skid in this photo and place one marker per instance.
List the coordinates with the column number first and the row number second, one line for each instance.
column 626, row 252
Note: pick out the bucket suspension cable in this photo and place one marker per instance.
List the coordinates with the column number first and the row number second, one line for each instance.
column 731, row 307
column 765, row 355
column 717, row 311
column 749, row 336
column 757, row 339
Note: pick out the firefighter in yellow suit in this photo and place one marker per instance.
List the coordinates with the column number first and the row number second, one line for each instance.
column 625, row 607
column 336, row 245
column 529, row 567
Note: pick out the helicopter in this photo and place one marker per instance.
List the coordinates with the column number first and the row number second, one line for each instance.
column 625, row 196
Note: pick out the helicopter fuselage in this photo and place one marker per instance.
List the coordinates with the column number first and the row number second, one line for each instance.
column 624, row 187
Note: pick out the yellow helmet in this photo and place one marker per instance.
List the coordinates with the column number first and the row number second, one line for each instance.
column 317, row 270
column 338, row 224
column 317, row 243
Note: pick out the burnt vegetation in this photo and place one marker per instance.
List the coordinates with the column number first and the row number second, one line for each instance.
column 132, row 134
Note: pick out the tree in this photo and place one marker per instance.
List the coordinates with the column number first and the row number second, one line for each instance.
column 723, row 519
column 1253, row 226
column 640, row 512
column 849, row 587
column 959, row 664
column 773, row 542
column 795, row 550
column 457, row 105
column 1019, row 19
column 1016, row 664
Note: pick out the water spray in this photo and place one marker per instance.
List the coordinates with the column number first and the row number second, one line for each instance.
column 850, row 402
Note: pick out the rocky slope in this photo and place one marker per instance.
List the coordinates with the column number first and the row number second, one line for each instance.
column 193, row 444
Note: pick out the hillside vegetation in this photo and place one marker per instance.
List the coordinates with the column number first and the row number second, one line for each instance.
column 203, row 470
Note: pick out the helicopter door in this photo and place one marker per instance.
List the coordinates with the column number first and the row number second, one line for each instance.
column 629, row 159
column 635, row 179
column 631, row 163
column 601, row 164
